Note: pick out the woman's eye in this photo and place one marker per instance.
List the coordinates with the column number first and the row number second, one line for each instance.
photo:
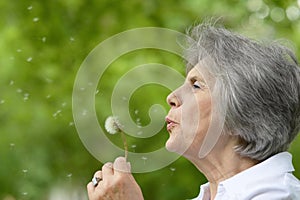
column 196, row 85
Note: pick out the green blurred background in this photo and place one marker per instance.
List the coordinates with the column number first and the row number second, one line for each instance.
column 43, row 43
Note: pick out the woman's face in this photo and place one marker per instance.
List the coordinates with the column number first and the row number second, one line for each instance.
column 190, row 114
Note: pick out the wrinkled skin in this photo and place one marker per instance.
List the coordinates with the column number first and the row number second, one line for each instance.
column 117, row 183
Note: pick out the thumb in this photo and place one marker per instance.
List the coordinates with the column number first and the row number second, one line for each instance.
column 120, row 165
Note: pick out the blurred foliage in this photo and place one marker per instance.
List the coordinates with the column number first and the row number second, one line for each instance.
column 42, row 46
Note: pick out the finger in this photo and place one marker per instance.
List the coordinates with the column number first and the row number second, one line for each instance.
column 98, row 174
column 107, row 170
column 121, row 166
column 90, row 188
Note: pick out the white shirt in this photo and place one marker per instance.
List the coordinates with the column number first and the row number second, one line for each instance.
column 271, row 179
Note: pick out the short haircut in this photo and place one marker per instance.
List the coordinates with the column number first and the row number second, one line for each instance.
column 259, row 84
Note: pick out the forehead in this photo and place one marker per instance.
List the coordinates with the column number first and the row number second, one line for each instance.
column 199, row 72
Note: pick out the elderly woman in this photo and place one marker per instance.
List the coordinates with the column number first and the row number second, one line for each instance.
column 234, row 118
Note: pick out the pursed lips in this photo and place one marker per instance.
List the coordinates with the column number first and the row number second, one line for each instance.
column 170, row 124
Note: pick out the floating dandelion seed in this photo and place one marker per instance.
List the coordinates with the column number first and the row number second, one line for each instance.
column 26, row 97
column 140, row 133
column 35, row 19
column 144, row 158
column 133, row 147
column 29, row 59
column 173, row 169
column 113, row 126
column 84, row 112
column 57, row 113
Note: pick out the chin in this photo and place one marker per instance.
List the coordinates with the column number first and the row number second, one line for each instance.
column 175, row 145
column 170, row 146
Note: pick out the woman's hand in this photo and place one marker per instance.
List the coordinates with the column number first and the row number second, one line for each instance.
column 117, row 183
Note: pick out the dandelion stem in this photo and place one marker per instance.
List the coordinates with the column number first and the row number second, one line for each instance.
column 125, row 144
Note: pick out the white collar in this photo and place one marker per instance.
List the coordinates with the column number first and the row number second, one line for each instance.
column 275, row 165
column 238, row 184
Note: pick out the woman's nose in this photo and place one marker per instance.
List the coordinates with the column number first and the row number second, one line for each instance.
column 173, row 100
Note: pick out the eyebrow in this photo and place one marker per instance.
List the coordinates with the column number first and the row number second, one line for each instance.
column 196, row 78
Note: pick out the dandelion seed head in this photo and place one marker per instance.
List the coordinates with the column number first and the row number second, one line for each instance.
column 112, row 125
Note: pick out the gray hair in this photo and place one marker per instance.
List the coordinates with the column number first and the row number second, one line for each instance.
column 259, row 84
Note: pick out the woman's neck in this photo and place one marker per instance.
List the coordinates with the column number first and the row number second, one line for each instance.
column 221, row 163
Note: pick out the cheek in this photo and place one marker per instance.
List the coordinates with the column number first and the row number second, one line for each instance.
column 196, row 118
column 190, row 120
column 205, row 115
column 205, row 110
